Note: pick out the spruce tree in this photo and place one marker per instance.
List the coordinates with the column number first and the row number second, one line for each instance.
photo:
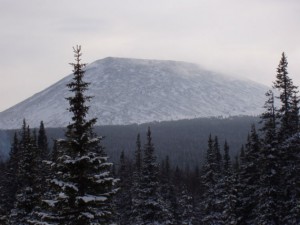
column 288, row 147
column 211, row 207
column 290, row 152
column 42, row 141
column 136, row 184
column 186, row 208
column 290, row 182
column 287, row 91
column 27, row 194
column 43, row 156
column 218, row 156
column 83, row 184
column 179, row 187
column 138, row 156
column 269, row 160
column 249, row 177
column 229, row 185
column 167, row 191
column 3, row 192
column 268, row 120
column 152, row 206
column 11, row 182
column 227, row 163
column 124, row 197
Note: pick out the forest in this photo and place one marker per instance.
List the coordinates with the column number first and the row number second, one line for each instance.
column 75, row 182
column 184, row 141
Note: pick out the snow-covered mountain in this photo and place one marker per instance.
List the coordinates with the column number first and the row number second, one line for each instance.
column 136, row 91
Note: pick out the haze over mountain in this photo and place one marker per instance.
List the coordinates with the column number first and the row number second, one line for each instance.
column 130, row 91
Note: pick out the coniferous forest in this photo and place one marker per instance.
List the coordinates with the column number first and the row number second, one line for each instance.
column 74, row 183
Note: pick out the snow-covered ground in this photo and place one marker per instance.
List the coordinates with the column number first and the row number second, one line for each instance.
column 136, row 91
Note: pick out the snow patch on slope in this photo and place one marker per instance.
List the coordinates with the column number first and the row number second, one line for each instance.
column 137, row 91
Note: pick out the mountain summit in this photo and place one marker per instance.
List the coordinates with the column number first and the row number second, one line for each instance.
column 136, row 91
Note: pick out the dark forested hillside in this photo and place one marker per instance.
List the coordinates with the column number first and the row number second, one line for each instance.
column 185, row 141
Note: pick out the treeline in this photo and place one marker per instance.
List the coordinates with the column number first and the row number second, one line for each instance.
column 186, row 140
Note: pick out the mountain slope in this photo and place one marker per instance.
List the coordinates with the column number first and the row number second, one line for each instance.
column 136, row 91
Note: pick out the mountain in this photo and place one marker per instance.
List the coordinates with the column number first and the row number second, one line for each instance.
column 130, row 91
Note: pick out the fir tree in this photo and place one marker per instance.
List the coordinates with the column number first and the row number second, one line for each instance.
column 3, row 192
column 227, row 162
column 123, row 197
column 136, row 184
column 229, row 190
column 269, row 191
column 167, row 191
column 152, row 206
column 10, row 184
column 42, row 141
column 9, row 181
column 290, row 182
column 211, row 176
column 83, row 183
column 218, row 156
column 287, row 91
column 249, row 176
column 268, row 119
column 288, row 147
column 27, row 194
column 178, row 182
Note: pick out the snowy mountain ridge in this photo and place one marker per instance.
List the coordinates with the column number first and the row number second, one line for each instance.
column 130, row 91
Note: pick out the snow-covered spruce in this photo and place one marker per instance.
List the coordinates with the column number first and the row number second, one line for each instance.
column 81, row 185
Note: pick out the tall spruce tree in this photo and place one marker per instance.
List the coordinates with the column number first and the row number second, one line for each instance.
column 288, row 146
column 152, row 206
column 249, row 177
column 287, row 91
column 218, row 156
column 123, row 197
column 290, row 183
column 211, row 206
column 229, row 194
column 269, row 191
column 167, row 191
column 9, row 181
column 268, row 120
column 83, row 183
column 179, row 187
column 136, row 184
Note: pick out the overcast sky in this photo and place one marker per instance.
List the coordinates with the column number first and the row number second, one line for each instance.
column 237, row 37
